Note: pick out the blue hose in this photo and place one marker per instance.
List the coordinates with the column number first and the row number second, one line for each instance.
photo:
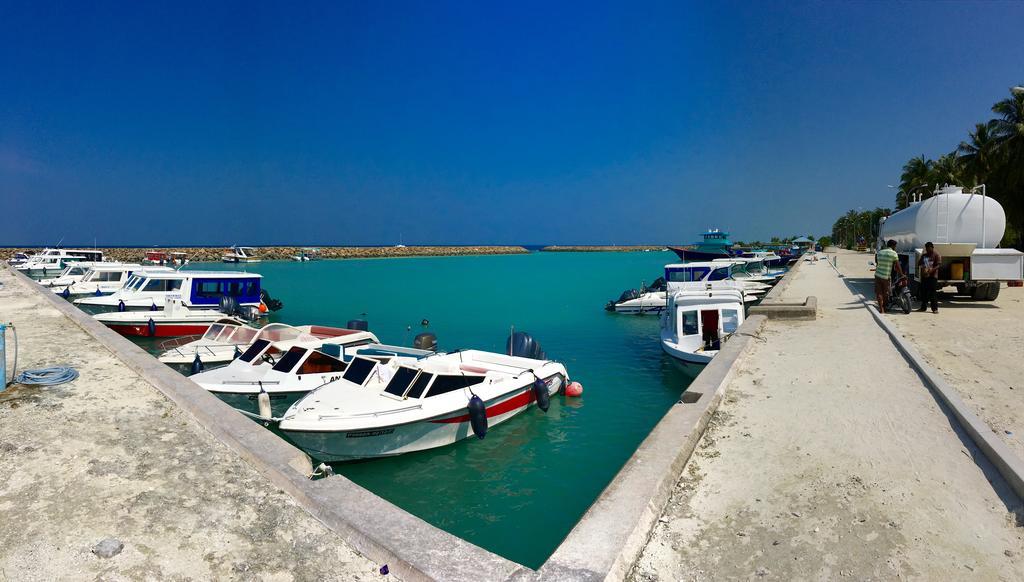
column 47, row 376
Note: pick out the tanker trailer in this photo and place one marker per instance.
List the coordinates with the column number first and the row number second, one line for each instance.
column 965, row 228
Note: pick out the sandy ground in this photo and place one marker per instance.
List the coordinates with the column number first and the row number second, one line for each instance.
column 829, row 459
column 977, row 345
column 109, row 456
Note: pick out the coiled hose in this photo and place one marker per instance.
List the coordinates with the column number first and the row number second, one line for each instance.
column 51, row 376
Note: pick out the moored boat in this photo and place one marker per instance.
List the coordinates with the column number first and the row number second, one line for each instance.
column 147, row 289
column 696, row 323
column 414, row 406
column 173, row 320
column 716, row 245
column 237, row 254
column 99, row 279
column 53, row 261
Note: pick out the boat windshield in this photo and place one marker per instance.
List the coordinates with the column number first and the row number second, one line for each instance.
column 401, row 380
column 279, row 332
column 320, row 363
column 243, row 334
column 288, row 361
column 254, row 350
column 445, row 384
column 687, row 274
column 358, row 370
column 213, row 331
column 720, row 274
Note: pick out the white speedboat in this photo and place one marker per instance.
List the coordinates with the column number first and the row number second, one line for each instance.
column 648, row 300
column 19, row 259
column 287, row 370
column 229, row 337
column 238, row 254
column 147, row 289
column 71, row 274
column 307, row 254
column 99, row 279
column 433, row 402
column 52, row 261
column 711, row 271
column 696, row 323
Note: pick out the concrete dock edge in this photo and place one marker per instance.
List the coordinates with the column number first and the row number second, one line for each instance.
column 381, row 531
column 998, row 453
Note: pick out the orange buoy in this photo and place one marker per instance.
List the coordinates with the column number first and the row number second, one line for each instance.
column 574, row 389
column 263, row 307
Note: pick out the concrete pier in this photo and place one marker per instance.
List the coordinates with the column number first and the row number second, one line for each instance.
column 108, row 456
column 830, row 458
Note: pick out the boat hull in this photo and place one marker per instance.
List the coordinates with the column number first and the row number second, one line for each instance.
column 280, row 402
column 161, row 329
column 689, row 255
column 391, row 440
column 684, row 357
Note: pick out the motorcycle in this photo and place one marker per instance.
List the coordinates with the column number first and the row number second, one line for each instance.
column 900, row 296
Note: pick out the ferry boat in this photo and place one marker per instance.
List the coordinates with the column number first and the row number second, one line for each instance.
column 696, row 323
column 99, row 279
column 711, row 271
column 384, row 409
column 173, row 320
column 53, row 261
column 148, row 288
column 238, row 254
column 716, row 245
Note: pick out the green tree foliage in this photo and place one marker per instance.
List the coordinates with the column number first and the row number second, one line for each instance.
column 993, row 154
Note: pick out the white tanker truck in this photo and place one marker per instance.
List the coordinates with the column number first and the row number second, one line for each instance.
column 965, row 228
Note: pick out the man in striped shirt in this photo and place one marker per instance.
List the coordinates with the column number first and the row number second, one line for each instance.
column 885, row 261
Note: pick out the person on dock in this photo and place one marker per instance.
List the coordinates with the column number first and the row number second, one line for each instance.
column 885, row 260
column 930, row 263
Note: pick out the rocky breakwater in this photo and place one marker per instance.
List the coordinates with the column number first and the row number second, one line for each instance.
column 286, row 253
column 602, row 248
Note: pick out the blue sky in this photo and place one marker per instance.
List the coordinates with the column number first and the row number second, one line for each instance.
column 462, row 123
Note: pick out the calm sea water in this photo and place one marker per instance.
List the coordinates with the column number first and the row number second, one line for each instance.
column 519, row 491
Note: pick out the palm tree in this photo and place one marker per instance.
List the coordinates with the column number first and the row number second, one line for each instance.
column 916, row 173
column 946, row 170
column 980, row 155
column 1008, row 131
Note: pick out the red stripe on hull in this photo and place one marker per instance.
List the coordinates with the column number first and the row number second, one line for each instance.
column 518, row 401
column 165, row 330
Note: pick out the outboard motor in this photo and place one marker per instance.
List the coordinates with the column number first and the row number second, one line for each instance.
column 229, row 305
column 425, row 341
column 540, row 392
column 478, row 416
column 271, row 303
column 197, row 365
column 359, row 324
column 523, row 345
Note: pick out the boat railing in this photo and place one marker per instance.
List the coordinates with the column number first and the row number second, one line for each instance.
column 372, row 414
column 178, row 342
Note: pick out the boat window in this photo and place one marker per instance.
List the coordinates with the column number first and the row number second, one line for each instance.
column 162, row 285
column 446, row 384
column 686, row 275
column 214, row 331
column 358, row 370
column 320, row 363
column 400, row 381
column 730, row 320
column 288, row 361
column 254, row 350
column 689, row 323
column 719, row 274
column 419, row 385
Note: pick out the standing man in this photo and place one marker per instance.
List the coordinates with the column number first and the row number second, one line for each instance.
column 885, row 260
column 930, row 263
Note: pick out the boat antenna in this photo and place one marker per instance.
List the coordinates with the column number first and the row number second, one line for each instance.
column 59, row 242
column 511, row 333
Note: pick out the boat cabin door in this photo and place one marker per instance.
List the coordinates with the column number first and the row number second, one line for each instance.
column 709, row 329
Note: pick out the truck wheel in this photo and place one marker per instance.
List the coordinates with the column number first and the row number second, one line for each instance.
column 961, row 289
column 993, row 292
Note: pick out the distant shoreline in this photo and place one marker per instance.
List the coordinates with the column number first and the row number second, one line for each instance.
column 284, row 253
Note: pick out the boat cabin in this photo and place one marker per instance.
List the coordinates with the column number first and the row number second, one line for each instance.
column 701, row 321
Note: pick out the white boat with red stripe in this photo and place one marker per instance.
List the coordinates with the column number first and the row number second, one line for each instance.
column 403, row 407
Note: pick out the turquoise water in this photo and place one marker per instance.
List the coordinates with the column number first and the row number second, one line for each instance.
column 521, row 490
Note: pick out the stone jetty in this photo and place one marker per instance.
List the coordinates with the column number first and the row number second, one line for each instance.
column 277, row 253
